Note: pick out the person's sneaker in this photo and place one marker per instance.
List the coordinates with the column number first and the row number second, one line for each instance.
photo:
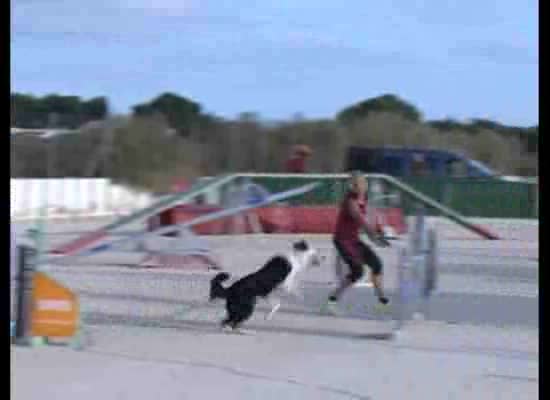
column 330, row 307
column 382, row 308
column 383, row 300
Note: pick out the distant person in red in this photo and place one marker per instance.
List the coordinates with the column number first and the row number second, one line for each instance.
column 180, row 186
column 355, row 253
column 296, row 164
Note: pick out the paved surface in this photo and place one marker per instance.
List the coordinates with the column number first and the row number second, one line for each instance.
column 153, row 334
column 433, row 362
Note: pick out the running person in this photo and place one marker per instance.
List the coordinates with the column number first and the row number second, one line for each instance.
column 350, row 248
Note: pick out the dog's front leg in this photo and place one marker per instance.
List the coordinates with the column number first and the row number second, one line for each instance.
column 295, row 290
column 275, row 305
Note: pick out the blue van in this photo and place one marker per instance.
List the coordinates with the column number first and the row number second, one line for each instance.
column 403, row 162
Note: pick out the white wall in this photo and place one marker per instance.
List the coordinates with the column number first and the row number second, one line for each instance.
column 71, row 197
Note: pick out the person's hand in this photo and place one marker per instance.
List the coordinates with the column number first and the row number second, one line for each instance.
column 381, row 241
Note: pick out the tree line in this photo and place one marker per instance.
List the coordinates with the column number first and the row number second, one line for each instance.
column 55, row 111
column 172, row 136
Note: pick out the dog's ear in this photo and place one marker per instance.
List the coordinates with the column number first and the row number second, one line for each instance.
column 300, row 246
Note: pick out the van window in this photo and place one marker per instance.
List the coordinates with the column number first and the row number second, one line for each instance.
column 433, row 165
column 393, row 165
column 457, row 168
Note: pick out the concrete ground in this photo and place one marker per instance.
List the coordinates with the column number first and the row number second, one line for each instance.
column 150, row 333
column 185, row 362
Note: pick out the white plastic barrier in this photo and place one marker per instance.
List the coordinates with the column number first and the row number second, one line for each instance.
column 417, row 272
column 72, row 197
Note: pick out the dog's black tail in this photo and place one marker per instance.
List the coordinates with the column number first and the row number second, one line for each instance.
column 216, row 288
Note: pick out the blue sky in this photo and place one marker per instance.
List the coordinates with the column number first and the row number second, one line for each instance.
column 452, row 59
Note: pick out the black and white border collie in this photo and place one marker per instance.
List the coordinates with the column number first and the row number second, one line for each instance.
column 281, row 272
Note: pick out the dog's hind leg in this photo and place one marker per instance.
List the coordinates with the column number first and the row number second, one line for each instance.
column 238, row 311
column 245, row 312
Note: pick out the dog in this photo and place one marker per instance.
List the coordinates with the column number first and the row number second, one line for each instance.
column 281, row 272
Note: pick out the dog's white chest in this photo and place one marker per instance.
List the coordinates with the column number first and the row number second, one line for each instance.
column 292, row 280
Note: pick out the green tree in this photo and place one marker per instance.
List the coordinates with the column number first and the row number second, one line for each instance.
column 451, row 125
column 27, row 111
column 55, row 110
column 387, row 103
column 531, row 139
column 182, row 114
column 95, row 108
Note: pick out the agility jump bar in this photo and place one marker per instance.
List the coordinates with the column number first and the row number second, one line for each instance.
column 83, row 242
column 202, row 219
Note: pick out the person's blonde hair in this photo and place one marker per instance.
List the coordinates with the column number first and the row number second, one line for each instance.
column 354, row 176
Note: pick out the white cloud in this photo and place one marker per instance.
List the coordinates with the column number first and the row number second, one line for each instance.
column 496, row 52
column 309, row 39
column 98, row 20
column 169, row 8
